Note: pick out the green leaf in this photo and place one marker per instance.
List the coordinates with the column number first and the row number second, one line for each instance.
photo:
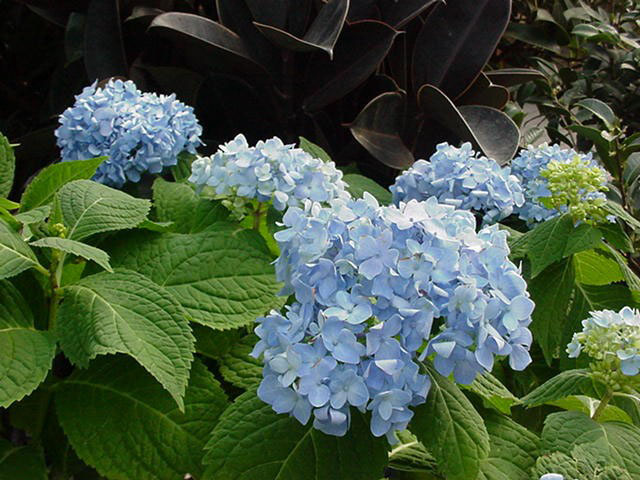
column 451, row 429
column 251, row 442
column 588, row 405
column 223, row 279
column 32, row 218
column 565, row 430
column 25, row 353
column 550, row 291
column 181, row 171
column 23, row 463
column 178, row 203
column 596, row 267
column 562, row 385
column 409, row 455
column 619, row 211
column 555, row 239
column 215, row 343
column 76, row 248
column 237, row 367
column 314, row 150
column 358, row 184
column 513, row 450
column 87, row 208
column 493, row 392
column 8, row 204
column 125, row 312
column 628, row 274
column 7, row 166
column 600, row 110
column 15, row 254
column 44, row 186
column 121, row 422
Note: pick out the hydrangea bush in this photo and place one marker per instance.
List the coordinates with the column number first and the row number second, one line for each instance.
column 163, row 338
column 137, row 132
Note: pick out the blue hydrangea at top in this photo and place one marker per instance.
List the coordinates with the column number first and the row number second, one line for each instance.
column 138, row 132
column 529, row 167
column 612, row 339
column 270, row 170
column 376, row 289
column 459, row 177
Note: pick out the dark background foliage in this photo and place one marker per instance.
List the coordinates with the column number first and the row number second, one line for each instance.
column 375, row 82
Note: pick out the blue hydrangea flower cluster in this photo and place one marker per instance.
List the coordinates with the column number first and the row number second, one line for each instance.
column 139, row 132
column 612, row 339
column 370, row 284
column 270, row 170
column 529, row 164
column 551, row 476
column 459, row 177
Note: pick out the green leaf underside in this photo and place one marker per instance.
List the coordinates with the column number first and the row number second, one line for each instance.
column 358, row 184
column 78, row 249
column 87, row 208
column 251, row 442
column 7, row 166
column 25, row 353
column 596, row 267
column 238, row 368
column 120, row 421
column 562, row 385
column 223, row 279
column 15, row 254
column 513, row 450
column 493, row 392
column 23, row 463
column 451, row 429
column 44, row 186
column 125, row 312
column 178, row 203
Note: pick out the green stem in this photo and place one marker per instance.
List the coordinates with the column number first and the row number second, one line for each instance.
column 257, row 214
column 55, row 274
column 603, row 404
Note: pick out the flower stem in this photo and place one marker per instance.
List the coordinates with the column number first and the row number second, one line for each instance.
column 257, row 214
column 603, row 404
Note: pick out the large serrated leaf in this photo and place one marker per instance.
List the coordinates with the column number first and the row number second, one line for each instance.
column 7, row 166
column 493, row 392
column 24, row 462
column 78, row 249
column 223, row 279
column 15, row 254
column 451, row 429
column 120, row 421
column 25, row 353
column 238, row 367
column 251, row 442
column 178, row 203
column 87, row 208
column 44, row 186
column 125, row 312
column 513, row 450
column 597, row 267
column 562, row 385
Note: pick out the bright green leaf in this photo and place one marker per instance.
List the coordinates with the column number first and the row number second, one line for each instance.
column 120, row 421
column 87, row 208
column 314, row 150
column 178, row 203
column 596, row 267
column 358, row 184
column 451, row 429
column 562, row 385
column 125, row 312
column 588, row 405
column 25, row 353
column 493, row 392
column 44, row 186
column 224, row 279
column 7, row 166
column 251, row 442
column 78, row 249
column 15, row 254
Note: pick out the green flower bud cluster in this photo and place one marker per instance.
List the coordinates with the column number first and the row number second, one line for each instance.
column 576, row 187
column 612, row 340
column 58, row 230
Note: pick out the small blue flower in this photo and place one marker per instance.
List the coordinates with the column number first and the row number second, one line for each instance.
column 138, row 132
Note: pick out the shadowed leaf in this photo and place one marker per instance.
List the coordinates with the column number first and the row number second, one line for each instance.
column 104, row 52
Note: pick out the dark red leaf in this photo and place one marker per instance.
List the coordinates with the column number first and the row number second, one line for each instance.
column 397, row 14
column 103, row 49
column 509, row 77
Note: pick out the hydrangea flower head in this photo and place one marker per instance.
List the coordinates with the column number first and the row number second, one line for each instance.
column 138, row 132
column 459, row 177
column 612, row 340
column 376, row 290
column 270, row 170
column 558, row 180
